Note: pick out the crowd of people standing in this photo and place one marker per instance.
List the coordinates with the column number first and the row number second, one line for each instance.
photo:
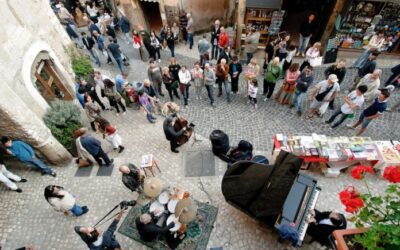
column 221, row 70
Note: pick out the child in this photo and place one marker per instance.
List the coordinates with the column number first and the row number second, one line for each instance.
column 252, row 92
column 144, row 101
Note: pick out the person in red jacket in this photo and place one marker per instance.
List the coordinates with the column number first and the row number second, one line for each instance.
column 223, row 41
column 110, row 133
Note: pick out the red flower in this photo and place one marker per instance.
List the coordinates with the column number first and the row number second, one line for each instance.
column 351, row 199
column 392, row 174
column 353, row 205
column 358, row 171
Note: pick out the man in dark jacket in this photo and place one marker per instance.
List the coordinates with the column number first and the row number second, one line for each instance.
column 145, row 38
column 235, row 68
column 322, row 225
column 150, row 231
column 132, row 177
column 339, row 70
column 396, row 73
column 307, row 29
column 303, row 82
column 89, row 89
column 89, row 44
column 215, row 31
column 93, row 146
column 95, row 239
column 73, row 35
column 368, row 67
column 125, row 27
column 171, row 134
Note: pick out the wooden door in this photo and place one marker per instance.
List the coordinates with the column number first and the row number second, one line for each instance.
column 49, row 84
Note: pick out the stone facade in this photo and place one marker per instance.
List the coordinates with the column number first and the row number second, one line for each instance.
column 32, row 32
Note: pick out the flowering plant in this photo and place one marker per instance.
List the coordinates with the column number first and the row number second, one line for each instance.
column 381, row 213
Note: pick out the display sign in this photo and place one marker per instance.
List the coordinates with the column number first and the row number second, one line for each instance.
column 271, row 4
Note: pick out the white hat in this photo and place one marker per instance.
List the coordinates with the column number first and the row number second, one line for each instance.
column 333, row 78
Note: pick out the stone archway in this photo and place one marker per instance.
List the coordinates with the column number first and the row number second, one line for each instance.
column 37, row 52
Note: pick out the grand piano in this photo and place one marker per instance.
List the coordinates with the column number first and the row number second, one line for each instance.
column 274, row 194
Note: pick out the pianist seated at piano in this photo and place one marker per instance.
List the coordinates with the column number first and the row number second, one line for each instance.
column 322, row 224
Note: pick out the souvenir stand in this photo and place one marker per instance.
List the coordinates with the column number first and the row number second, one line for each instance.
column 337, row 153
column 364, row 18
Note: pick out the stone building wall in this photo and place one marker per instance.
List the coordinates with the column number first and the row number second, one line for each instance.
column 31, row 29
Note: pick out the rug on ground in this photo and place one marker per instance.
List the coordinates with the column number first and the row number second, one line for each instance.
column 197, row 234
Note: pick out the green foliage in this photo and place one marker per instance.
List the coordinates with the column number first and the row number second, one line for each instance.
column 82, row 67
column 81, row 64
column 63, row 118
column 382, row 216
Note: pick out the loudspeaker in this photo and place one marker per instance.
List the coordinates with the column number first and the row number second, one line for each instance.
column 331, row 56
column 219, row 141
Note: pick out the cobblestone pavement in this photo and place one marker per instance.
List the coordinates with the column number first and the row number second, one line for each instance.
column 26, row 218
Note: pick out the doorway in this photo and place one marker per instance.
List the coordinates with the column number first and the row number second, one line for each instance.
column 151, row 12
column 49, row 84
column 299, row 10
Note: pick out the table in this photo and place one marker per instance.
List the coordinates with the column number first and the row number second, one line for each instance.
column 352, row 151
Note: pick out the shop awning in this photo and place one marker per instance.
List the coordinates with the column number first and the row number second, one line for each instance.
column 272, row 4
column 154, row 1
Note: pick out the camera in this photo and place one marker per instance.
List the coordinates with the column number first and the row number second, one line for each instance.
column 126, row 204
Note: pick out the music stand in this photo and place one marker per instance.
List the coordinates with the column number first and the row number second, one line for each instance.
column 194, row 134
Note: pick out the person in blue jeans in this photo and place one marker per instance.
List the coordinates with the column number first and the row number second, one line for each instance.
column 374, row 111
column 146, row 105
column 116, row 52
column 303, row 82
column 352, row 101
column 190, row 30
column 25, row 153
column 62, row 201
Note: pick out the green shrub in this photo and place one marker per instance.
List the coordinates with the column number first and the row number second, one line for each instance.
column 63, row 118
column 81, row 64
column 82, row 67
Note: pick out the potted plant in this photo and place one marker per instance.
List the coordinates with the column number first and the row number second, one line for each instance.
column 377, row 217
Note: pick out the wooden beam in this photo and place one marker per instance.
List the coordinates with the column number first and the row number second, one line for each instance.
column 241, row 11
column 332, row 21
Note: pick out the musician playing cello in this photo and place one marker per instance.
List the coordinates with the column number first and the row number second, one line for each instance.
column 171, row 134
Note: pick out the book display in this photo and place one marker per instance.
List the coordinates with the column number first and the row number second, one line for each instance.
column 265, row 21
column 338, row 152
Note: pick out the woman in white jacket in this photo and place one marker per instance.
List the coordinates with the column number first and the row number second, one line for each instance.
column 184, row 80
column 63, row 201
column 313, row 56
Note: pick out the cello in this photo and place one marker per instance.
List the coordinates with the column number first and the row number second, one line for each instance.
column 180, row 123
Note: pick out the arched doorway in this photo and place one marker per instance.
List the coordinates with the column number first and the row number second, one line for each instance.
column 47, row 81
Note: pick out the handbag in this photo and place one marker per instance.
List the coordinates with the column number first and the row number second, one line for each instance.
column 175, row 85
column 182, row 87
column 320, row 97
column 136, row 46
column 316, row 61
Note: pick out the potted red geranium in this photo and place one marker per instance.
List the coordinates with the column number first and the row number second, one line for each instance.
column 377, row 217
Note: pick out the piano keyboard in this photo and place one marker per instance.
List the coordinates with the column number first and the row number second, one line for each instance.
column 302, row 228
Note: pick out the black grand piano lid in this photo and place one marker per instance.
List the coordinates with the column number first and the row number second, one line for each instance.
column 260, row 189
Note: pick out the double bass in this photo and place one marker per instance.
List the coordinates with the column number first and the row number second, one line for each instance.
column 181, row 123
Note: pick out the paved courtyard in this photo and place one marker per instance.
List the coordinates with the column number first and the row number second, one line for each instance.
column 27, row 218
